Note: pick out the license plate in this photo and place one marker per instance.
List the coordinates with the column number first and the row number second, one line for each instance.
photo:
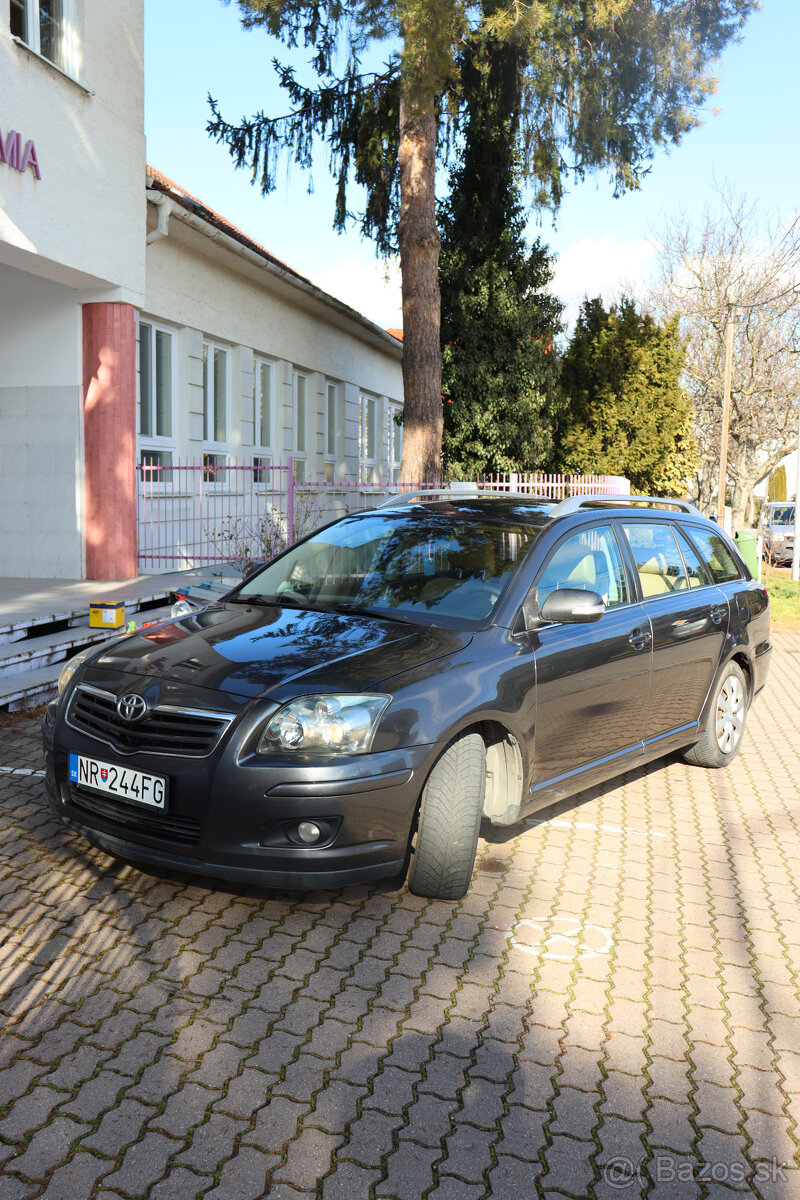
column 119, row 781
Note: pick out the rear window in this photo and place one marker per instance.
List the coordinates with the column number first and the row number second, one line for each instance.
column 715, row 554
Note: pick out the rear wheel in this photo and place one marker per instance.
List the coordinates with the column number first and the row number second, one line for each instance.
column 723, row 736
column 449, row 820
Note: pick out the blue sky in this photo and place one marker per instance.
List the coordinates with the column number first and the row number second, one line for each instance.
column 193, row 47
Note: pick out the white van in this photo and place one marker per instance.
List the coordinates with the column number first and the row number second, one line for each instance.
column 776, row 526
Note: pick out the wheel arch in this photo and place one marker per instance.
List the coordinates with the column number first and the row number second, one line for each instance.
column 743, row 662
column 505, row 770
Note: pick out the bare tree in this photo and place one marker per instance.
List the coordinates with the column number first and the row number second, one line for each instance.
column 732, row 262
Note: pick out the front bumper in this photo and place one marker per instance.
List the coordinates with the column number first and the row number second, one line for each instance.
column 233, row 817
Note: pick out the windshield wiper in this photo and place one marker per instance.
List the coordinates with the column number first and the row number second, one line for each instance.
column 254, row 598
column 360, row 611
column 281, row 601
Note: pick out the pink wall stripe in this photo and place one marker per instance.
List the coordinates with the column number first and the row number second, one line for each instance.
column 109, row 428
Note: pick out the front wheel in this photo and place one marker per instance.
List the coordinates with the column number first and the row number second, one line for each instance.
column 449, row 820
column 723, row 736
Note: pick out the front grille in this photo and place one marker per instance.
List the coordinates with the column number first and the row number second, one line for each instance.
column 163, row 731
column 168, row 827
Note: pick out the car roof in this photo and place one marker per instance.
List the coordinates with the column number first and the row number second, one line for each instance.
column 538, row 511
column 506, row 510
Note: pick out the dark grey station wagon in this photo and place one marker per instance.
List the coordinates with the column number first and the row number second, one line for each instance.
column 354, row 708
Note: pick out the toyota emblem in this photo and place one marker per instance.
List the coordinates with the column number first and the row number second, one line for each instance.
column 132, row 708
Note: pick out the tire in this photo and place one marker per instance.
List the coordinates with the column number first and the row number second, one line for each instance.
column 720, row 743
column 446, row 838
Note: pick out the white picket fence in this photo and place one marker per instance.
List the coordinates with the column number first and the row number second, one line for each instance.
column 192, row 514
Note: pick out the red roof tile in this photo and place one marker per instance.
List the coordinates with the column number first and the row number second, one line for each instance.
column 193, row 204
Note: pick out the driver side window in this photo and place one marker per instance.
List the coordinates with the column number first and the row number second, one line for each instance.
column 589, row 560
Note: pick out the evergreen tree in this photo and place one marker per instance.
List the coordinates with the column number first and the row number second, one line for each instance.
column 626, row 413
column 776, row 488
column 604, row 82
column 498, row 323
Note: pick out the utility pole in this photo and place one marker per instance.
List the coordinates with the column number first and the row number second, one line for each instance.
column 726, row 419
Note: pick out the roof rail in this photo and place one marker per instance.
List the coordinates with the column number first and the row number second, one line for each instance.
column 453, row 491
column 575, row 503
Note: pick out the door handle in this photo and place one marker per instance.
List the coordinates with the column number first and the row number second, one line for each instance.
column 718, row 611
column 640, row 638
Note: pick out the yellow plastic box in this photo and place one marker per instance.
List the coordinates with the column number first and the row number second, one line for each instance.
column 107, row 614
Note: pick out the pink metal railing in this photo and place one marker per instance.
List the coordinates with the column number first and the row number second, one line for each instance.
column 194, row 514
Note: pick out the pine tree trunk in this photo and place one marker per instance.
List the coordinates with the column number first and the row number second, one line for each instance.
column 418, row 238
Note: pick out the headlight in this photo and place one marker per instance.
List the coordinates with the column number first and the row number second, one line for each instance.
column 69, row 668
column 324, row 725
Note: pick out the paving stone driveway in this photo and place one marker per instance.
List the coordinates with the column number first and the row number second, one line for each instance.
column 612, row 1011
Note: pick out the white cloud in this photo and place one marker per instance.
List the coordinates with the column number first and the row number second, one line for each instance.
column 600, row 267
column 591, row 267
column 369, row 285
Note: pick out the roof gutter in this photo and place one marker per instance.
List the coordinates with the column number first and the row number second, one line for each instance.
column 174, row 207
column 165, row 207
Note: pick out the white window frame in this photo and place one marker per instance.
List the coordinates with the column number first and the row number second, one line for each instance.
column 300, row 405
column 395, row 436
column 69, row 37
column 367, row 463
column 260, row 446
column 263, row 451
column 331, row 429
column 154, row 442
column 210, row 442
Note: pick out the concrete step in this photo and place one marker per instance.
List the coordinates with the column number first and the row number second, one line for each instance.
column 29, row 670
column 19, row 627
column 35, row 652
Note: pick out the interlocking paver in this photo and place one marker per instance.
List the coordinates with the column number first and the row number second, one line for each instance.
column 47, row 1148
column 276, row 1124
column 179, row 1039
column 244, row 1176
column 77, row 1177
column 308, row 1158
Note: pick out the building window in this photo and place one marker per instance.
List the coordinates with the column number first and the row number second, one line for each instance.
column 331, row 431
column 214, row 466
column 155, row 467
column 395, row 439
column 47, row 27
column 367, row 438
column 155, row 381
column 262, row 404
column 155, row 378
column 300, row 412
column 215, row 395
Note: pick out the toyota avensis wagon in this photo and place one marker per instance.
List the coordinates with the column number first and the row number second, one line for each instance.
column 354, row 708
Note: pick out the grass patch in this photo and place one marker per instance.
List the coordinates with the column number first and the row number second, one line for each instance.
column 784, row 600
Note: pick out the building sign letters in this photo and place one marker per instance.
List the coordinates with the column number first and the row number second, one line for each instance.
column 15, row 155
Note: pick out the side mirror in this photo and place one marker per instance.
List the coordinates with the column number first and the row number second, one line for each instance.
column 250, row 569
column 572, row 606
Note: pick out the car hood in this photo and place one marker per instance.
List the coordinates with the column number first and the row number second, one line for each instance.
column 252, row 651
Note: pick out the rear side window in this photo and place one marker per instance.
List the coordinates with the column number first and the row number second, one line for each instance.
column 657, row 557
column 696, row 569
column 715, row 554
column 589, row 560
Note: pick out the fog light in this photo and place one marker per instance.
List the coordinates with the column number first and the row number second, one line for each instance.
column 308, row 832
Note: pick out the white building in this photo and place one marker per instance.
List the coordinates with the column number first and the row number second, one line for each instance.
column 136, row 324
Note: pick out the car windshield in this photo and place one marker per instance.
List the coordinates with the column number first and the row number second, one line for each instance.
column 452, row 565
column 783, row 515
